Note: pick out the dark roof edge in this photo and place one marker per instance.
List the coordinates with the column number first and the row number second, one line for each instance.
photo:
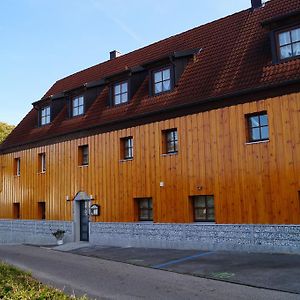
column 208, row 103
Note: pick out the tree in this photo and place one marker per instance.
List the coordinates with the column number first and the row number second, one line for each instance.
column 5, row 130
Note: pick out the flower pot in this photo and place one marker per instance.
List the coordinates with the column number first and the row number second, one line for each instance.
column 59, row 241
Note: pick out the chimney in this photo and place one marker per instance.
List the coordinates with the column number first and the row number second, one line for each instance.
column 256, row 4
column 114, row 54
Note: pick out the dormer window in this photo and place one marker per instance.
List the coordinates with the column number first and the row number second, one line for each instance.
column 120, row 93
column 78, row 106
column 289, row 43
column 162, row 81
column 45, row 115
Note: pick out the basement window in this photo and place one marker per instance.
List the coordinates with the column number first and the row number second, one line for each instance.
column 289, row 43
column 16, row 210
column 145, row 209
column 83, row 155
column 204, row 208
column 41, row 210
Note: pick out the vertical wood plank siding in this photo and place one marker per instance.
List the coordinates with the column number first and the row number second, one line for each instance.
column 252, row 183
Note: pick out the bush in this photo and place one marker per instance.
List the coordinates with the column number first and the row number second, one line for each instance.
column 19, row 285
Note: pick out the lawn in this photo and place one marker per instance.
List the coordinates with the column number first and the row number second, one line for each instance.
column 16, row 284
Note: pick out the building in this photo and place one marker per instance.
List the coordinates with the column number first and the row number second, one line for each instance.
column 203, row 126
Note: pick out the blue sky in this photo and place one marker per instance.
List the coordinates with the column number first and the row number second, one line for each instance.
column 45, row 40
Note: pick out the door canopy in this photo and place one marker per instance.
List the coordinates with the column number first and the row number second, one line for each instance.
column 82, row 196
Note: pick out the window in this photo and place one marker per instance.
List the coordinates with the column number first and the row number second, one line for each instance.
column 162, row 81
column 127, row 148
column 42, row 162
column 204, row 210
column 170, row 141
column 45, row 115
column 17, row 166
column 41, row 210
column 83, row 155
column 16, row 210
column 145, row 209
column 289, row 43
column 78, row 106
column 258, row 127
column 120, row 93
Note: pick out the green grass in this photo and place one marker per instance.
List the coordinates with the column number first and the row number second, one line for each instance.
column 16, row 284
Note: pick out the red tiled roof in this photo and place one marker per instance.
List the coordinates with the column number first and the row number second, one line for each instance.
column 235, row 56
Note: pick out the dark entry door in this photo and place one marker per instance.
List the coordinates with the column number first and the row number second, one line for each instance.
column 84, row 222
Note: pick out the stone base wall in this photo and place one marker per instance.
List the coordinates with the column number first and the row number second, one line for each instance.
column 33, row 232
column 211, row 237
column 252, row 238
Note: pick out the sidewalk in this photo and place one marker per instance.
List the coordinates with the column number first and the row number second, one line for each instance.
column 271, row 271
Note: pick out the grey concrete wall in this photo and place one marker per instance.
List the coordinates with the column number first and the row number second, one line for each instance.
column 33, row 232
column 252, row 238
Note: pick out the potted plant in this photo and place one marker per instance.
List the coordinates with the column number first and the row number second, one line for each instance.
column 59, row 235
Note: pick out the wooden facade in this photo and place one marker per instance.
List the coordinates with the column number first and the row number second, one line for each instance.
column 251, row 182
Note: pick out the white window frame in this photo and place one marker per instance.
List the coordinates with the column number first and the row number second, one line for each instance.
column 120, row 93
column 42, row 157
column 78, row 106
column 162, row 80
column 46, row 115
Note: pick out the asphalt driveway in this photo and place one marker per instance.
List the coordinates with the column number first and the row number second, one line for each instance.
column 272, row 271
column 105, row 279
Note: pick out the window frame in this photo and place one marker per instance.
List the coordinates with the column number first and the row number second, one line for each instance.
column 42, row 163
column 161, row 69
column 250, row 127
column 16, row 210
column 114, row 85
column 77, row 97
column 82, row 155
column 42, row 210
column 206, row 208
column 166, row 142
column 17, row 166
column 278, row 46
column 149, row 209
column 127, row 151
column 41, row 117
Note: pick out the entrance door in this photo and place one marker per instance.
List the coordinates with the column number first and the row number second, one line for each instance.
column 84, row 222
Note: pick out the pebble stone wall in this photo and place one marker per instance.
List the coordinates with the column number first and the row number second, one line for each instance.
column 252, row 238
column 33, row 232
